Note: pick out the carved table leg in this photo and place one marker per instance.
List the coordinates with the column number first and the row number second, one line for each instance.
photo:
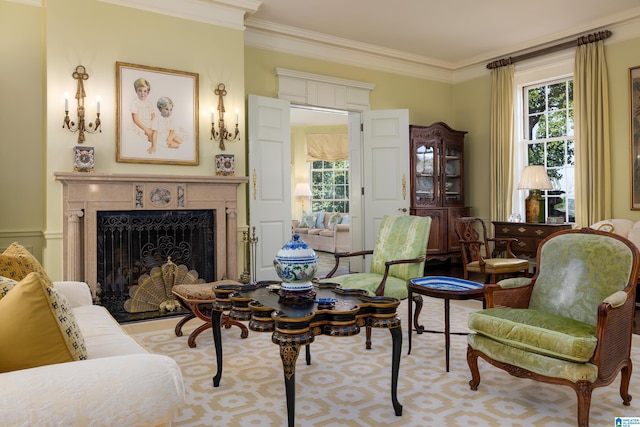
column 289, row 354
column 396, row 337
column 289, row 351
column 181, row 323
column 419, row 302
column 217, row 340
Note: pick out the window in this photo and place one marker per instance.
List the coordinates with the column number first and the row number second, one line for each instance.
column 330, row 186
column 548, row 135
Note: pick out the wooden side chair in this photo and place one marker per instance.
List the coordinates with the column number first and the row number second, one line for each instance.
column 571, row 324
column 399, row 254
column 476, row 251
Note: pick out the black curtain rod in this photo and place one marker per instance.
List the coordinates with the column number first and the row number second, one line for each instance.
column 590, row 38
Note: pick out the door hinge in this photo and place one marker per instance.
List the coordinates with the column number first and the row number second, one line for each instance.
column 362, row 191
column 361, row 127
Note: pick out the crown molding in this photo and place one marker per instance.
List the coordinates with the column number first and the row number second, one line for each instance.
column 347, row 52
column 29, row 2
column 224, row 13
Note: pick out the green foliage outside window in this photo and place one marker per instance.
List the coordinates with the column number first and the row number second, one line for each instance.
column 330, row 186
column 549, row 138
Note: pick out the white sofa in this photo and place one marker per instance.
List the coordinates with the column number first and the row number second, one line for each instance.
column 626, row 228
column 121, row 383
column 334, row 238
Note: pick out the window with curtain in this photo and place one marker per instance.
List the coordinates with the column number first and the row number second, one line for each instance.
column 548, row 138
column 330, row 186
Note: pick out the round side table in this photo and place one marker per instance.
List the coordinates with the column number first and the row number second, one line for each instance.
column 446, row 288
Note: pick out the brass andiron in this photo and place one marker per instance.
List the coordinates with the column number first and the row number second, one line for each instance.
column 80, row 74
column 245, row 277
column 253, row 243
column 222, row 134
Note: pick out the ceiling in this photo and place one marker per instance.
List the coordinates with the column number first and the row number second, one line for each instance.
column 447, row 35
column 450, row 34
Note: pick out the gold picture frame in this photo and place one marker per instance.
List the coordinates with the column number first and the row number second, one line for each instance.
column 634, row 113
column 157, row 115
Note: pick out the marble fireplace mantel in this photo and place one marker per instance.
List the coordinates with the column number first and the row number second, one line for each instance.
column 86, row 194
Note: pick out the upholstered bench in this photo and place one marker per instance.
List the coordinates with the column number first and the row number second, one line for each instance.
column 197, row 298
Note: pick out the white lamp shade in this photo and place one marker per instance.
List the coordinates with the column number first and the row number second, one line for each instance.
column 534, row 178
column 302, row 190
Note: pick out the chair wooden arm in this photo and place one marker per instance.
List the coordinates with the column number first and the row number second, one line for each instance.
column 507, row 241
column 388, row 264
column 340, row 255
column 613, row 331
column 518, row 297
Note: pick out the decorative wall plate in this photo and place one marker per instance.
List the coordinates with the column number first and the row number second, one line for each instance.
column 225, row 164
column 83, row 159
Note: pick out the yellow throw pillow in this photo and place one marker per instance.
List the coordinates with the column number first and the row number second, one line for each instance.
column 16, row 262
column 6, row 285
column 37, row 327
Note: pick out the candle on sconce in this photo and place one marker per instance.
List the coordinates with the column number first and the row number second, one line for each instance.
column 213, row 115
column 236, row 116
column 66, row 101
column 98, row 106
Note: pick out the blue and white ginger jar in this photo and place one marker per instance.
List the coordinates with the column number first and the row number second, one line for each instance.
column 296, row 264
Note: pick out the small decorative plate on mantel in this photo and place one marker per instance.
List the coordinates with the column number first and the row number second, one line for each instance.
column 83, row 159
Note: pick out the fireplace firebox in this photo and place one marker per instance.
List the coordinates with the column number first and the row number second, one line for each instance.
column 132, row 243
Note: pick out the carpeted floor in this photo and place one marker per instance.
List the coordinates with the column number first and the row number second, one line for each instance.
column 347, row 385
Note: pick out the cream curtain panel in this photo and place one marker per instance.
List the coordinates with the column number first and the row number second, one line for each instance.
column 592, row 146
column 330, row 147
column 501, row 161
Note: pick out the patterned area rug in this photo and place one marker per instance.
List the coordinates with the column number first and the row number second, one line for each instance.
column 346, row 385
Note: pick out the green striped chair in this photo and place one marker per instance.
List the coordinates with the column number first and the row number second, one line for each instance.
column 399, row 255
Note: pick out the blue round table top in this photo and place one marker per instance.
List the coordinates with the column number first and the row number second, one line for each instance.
column 446, row 283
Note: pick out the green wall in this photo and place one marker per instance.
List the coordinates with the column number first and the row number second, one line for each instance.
column 22, row 122
column 43, row 45
column 427, row 101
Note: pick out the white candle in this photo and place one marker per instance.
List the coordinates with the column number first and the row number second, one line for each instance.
column 98, row 106
column 213, row 116
column 236, row 116
column 66, row 101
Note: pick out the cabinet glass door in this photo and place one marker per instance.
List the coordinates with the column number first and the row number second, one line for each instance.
column 425, row 173
column 453, row 176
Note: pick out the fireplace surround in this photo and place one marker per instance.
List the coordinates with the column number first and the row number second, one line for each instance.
column 87, row 194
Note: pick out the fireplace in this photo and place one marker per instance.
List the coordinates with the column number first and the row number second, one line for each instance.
column 98, row 206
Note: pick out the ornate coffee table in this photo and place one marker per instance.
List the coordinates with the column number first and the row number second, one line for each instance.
column 296, row 325
column 447, row 288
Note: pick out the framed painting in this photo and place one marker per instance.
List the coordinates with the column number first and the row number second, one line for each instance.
column 157, row 115
column 634, row 94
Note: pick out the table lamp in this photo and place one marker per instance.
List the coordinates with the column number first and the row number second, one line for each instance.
column 534, row 179
column 302, row 190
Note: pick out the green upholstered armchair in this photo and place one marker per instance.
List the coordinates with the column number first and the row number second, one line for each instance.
column 476, row 257
column 399, row 254
column 571, row 324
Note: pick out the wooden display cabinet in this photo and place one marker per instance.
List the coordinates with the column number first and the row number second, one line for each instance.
column 437, row 184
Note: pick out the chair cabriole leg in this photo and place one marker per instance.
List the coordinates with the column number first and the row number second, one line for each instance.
column 472, row 361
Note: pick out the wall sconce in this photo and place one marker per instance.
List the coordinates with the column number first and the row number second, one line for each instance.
column 534, row 179
column 302, row 190
column 80, row 74
column 222, row 134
